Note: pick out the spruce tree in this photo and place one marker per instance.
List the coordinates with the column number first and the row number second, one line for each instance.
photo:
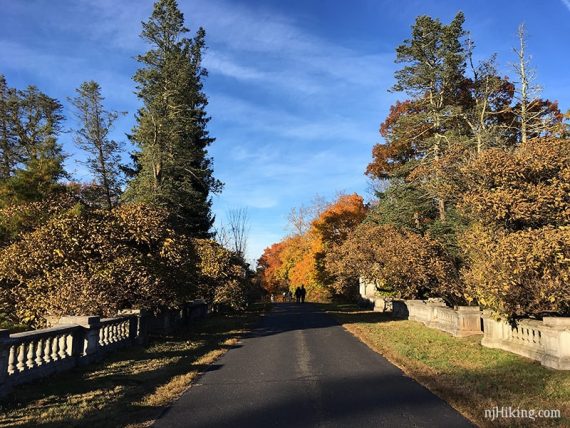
column 175, row 170
column 93, row 137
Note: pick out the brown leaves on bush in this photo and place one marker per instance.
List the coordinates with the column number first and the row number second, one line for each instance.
column 519, row 273
column 223, row 277
column 525, row 188
column 410, row 265
column 85, row 261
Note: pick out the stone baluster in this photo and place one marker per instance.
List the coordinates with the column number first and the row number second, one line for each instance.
column 105, row 335
column 62, row 346
column 39, row 353
column 21, row 365
column 54, row 349
column 47, row 350
column 30, row 355
column 12, row 360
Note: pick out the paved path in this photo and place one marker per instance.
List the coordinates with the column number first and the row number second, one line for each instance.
column 300, row 369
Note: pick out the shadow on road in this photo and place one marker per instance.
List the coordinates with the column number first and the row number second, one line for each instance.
column 303, row 316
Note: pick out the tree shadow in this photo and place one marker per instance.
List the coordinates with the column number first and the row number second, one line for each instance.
column 127, row 407
column 287, row 317
column 341, row 401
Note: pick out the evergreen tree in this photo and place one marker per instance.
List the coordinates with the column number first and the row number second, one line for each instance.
column 171, row 132
column 30, row 150
column 9, row 155
column 93, row 137
column 433, row 75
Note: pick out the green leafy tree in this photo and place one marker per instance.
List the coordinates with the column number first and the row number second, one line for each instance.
column 93, row 136
column 175, row 170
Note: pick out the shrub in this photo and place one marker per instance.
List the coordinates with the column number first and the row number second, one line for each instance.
column 519, row 273
column 85, row 261
column 411, row 265
column 517, row 250
column 223, row 276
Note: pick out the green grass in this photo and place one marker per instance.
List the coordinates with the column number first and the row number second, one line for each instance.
column 132, row 386
column 470, row 377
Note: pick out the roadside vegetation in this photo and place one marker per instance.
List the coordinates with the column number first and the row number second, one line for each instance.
column 472, row 193
column 461, row 371
column 140, row 233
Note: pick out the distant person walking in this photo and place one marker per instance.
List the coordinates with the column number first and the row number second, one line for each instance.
column 298, row 294
column 303, row 293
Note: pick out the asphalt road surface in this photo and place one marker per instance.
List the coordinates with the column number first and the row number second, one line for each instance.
column 299, row 368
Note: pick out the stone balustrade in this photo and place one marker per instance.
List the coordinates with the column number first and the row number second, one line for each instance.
column 547, row 341
column 80, row 340
column 459, row 321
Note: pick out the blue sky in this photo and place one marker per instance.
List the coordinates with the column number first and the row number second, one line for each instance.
column 297, row 88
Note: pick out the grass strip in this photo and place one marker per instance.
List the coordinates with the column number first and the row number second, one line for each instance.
column 461, row 371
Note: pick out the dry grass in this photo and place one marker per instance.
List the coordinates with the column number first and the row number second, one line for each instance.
column 132, row 386
column 468, row 376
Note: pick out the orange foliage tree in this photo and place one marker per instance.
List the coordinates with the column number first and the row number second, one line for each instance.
column 301, row 259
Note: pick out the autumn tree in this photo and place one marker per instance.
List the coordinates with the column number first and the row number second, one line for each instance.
column 175, row 171
column 95, row 124
column 268, row 268
column 517, row 247
column 328, row 232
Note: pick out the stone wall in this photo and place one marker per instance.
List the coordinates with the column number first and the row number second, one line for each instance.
column 547, row 341
column 81, row 340
column 459, row 321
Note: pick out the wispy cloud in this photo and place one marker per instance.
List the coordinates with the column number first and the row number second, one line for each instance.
column 566, row 3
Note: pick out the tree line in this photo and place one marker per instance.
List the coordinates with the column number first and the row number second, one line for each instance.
column 140, row 234
column 472, row 190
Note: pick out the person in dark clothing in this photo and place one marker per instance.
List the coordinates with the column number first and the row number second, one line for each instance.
column 303, row 293
column 298, row 295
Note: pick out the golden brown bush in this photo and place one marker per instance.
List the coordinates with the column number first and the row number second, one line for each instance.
column 223, row 276
column 85, row 261
column 411, row 265
column 517, row 250
column 519, row 273
column 525, row 188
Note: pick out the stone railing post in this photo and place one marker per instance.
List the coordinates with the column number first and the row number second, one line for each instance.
column 87, row 344
column 138, row 325
column 4, row 355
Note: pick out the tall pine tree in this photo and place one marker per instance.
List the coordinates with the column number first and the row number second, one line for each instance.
column 92, row 136
column 433, row 75
column 175, row 170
